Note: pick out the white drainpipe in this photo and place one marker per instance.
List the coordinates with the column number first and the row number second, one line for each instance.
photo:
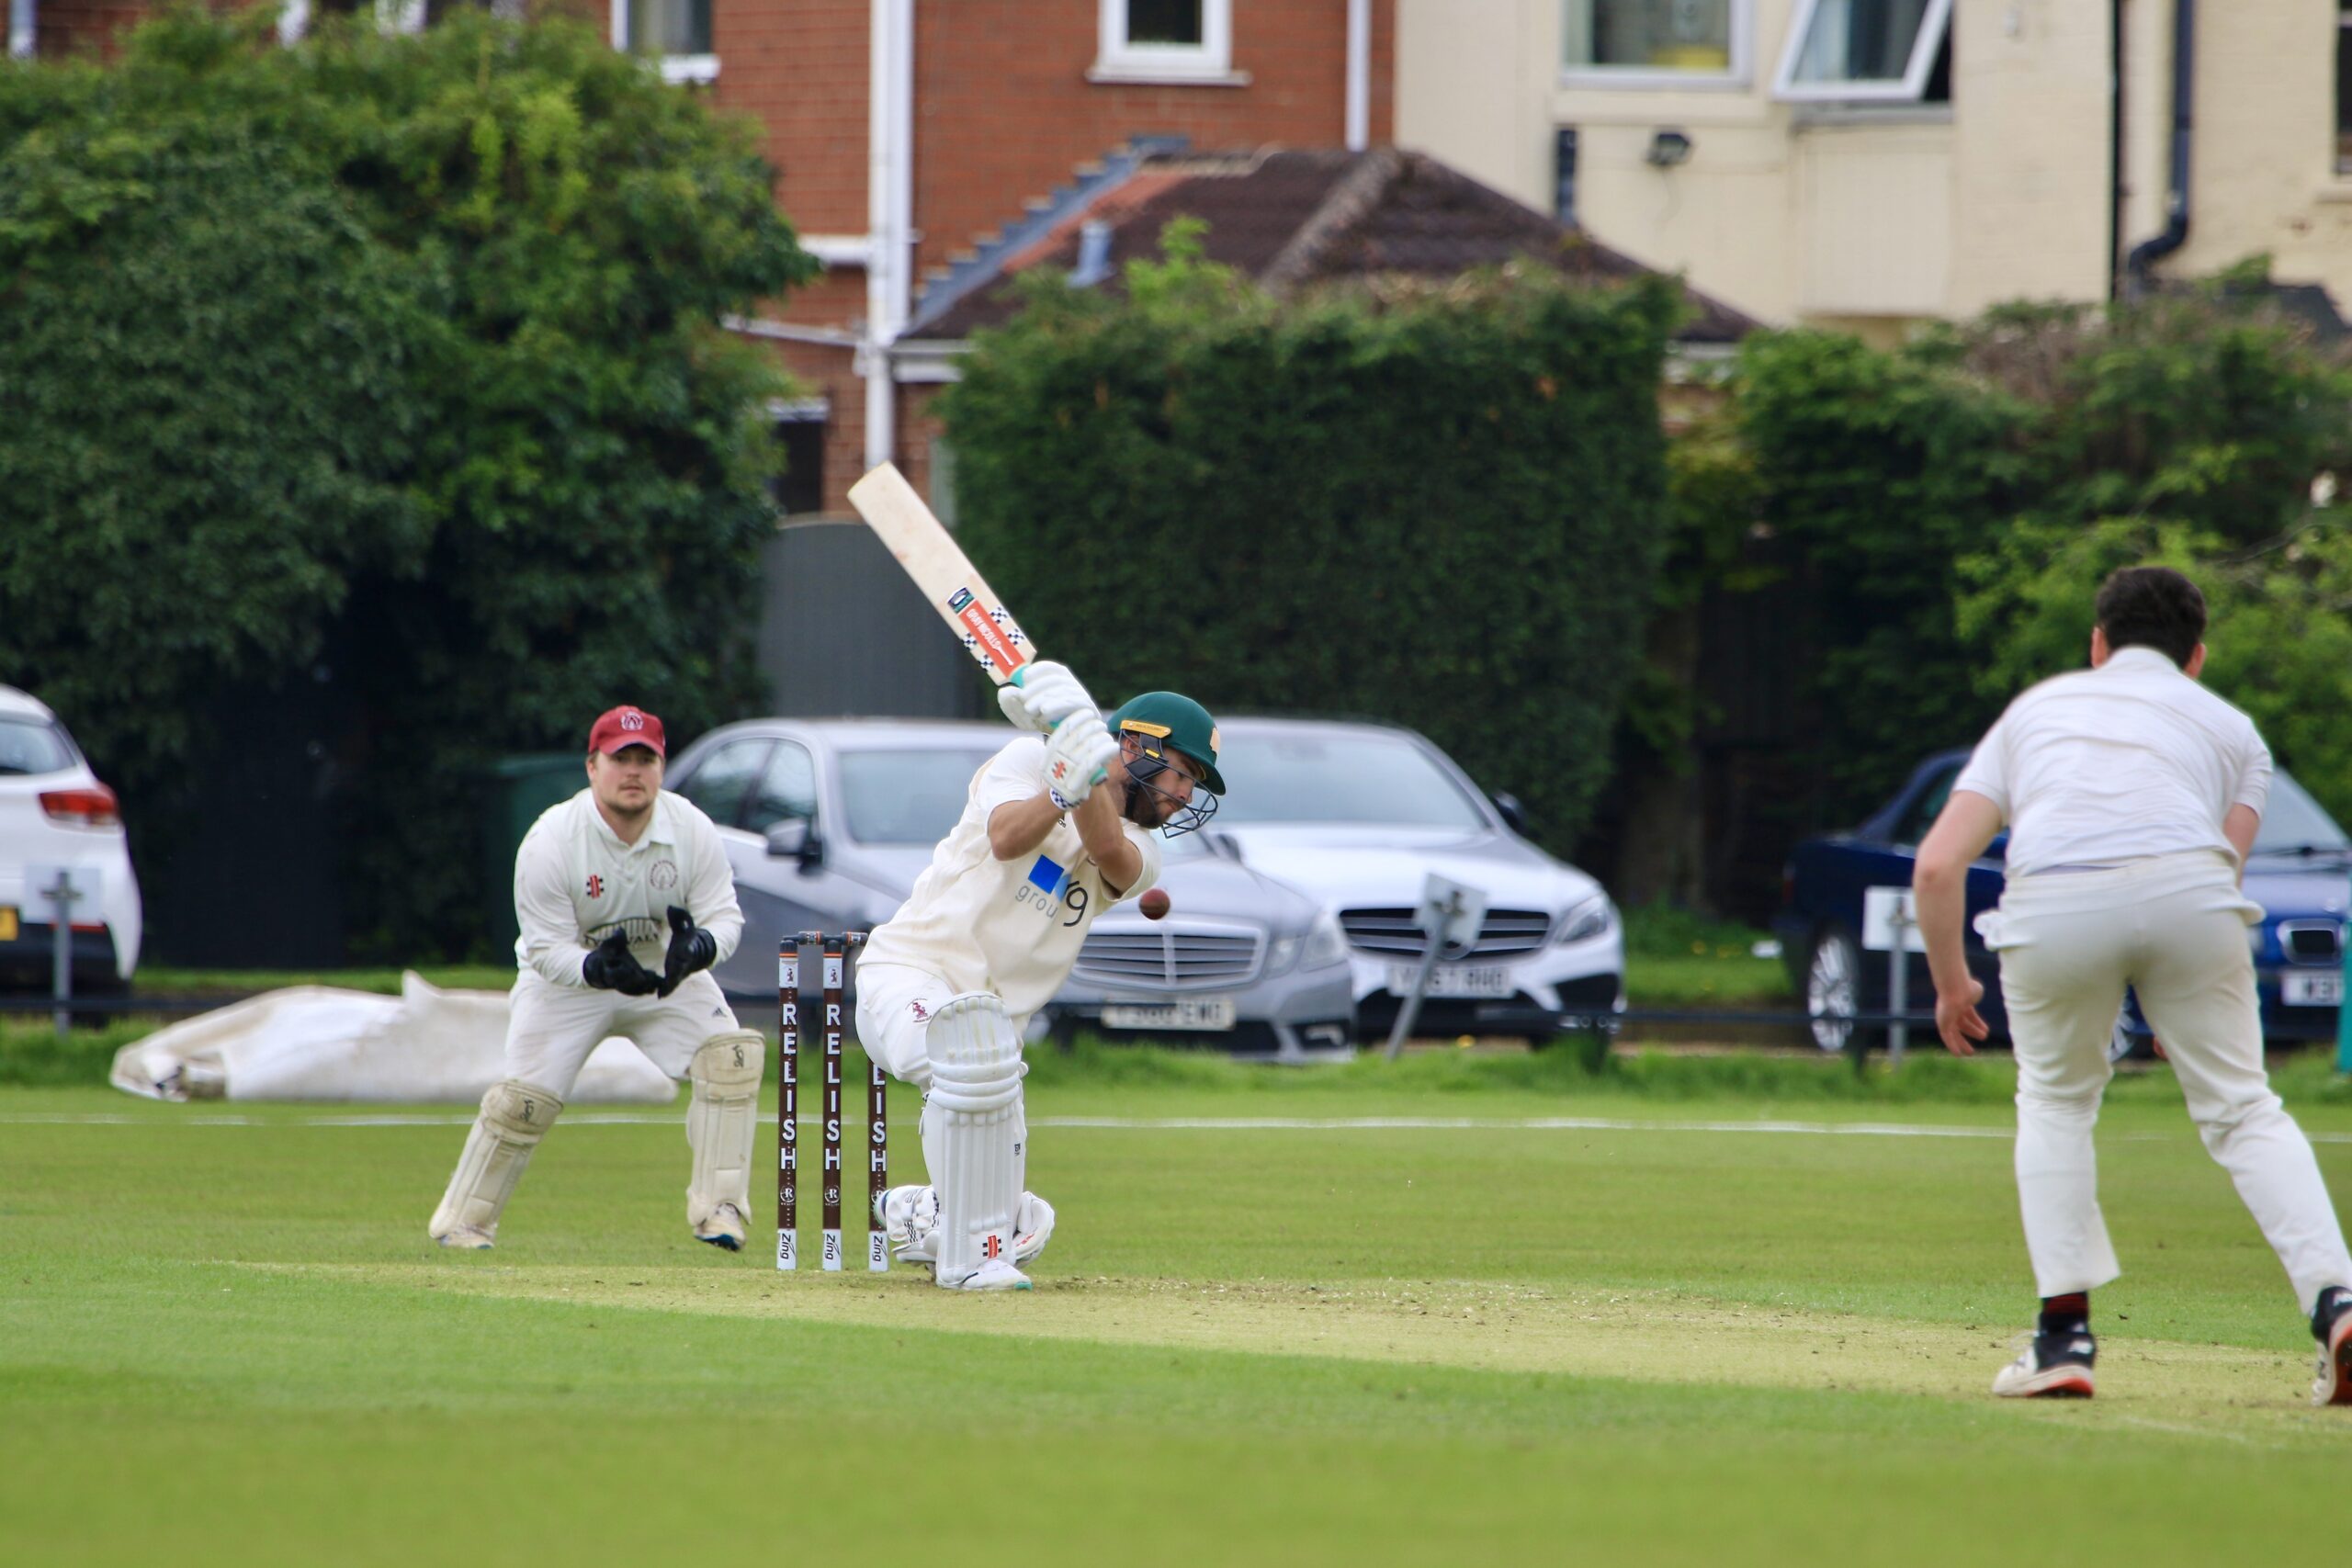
column 1359, row 120
column 889, row 207
column 24, row 27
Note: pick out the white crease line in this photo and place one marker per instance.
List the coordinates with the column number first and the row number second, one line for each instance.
column 1135, row 1124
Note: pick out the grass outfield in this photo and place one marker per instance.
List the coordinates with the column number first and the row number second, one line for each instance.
column 1581, row 1323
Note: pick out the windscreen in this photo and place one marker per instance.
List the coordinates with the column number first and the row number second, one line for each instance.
column 2293, row 821
column 1346, row 776
column 906, row 796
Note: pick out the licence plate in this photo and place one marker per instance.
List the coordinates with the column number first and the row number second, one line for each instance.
column 1491, row 981
column 7, row 922
column 1193, row 1012
column 2311, row 990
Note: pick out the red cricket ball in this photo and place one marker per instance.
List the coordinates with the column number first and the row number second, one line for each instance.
column 1154, row 903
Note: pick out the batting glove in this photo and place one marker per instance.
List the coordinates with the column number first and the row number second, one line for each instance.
column 691, row 948
column 1042, row 695
column 611, row 966
column 1077, row 757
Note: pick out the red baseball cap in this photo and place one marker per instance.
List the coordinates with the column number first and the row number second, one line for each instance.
column 623, row 727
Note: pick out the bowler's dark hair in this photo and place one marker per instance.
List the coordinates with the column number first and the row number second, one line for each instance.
column 2152, row 607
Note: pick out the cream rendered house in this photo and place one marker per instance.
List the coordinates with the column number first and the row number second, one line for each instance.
column 1872, row 163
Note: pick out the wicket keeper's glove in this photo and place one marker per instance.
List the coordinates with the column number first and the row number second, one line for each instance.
column 691, row 948
column 611, row 966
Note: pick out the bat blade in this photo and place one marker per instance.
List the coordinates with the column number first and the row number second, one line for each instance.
column 929, row 555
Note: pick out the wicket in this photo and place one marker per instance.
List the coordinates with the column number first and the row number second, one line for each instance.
column 792, row 996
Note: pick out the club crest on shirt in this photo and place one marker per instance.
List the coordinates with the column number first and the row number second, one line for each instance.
column 595, row 885
column 663, row 875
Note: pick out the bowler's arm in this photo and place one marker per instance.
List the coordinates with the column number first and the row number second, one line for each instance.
column 1963, row 831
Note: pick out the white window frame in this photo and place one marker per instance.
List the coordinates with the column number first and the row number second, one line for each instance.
column 1207, row 63
column 675, row 68
column 1933, row 28
column 1652, row 78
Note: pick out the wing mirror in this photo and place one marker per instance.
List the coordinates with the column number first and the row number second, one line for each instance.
column 792, row 838
column 1514, row 815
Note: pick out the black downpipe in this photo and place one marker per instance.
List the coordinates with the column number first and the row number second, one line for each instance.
column 2184, row 77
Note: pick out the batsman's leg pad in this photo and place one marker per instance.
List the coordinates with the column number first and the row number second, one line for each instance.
column 514, row 1117
column 976, row 1097
column 720, row 1121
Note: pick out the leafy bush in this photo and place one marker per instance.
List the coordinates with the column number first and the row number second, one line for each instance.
column 386, row 362
column 1434, row 506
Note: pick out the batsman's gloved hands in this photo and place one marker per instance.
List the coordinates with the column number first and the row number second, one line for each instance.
column 1077, row 757
column 1041, row 695
column 691, row 948
column 611, row 966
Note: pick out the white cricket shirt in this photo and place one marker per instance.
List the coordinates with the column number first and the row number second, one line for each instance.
column 2102, row 766
column 575, row 883
column 1010, row 927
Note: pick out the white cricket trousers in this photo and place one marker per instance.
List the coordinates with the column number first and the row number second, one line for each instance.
column 551, row 1030
column 2173, row 928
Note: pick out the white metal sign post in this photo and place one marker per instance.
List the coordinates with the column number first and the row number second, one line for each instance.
column 1451, row 913
column 64, row 886
column 1890, row 926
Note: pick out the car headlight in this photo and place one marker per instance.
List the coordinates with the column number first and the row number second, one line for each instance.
column 1587, row 920
column 1326, row 944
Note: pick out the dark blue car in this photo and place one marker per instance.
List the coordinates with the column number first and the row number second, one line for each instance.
column 2301, row 873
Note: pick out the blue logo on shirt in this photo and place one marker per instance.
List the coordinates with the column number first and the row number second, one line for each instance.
column 1048, row 876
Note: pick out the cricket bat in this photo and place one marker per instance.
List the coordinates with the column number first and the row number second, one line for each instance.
column 928, row 553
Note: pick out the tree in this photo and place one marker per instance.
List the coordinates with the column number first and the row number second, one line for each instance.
column 392, row 358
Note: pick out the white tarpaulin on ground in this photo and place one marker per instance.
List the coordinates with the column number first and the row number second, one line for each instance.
column 320, row 1042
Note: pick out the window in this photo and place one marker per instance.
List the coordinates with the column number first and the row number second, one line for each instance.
column 800, row 432
column 1655, row 43
column 789, row 788
column 1928, row 807
column 2344, row 86
column 1867, row 52
column 720, row 785
column 1166, row 40
column 908, row 798
column 31, row 745
column 677, row 32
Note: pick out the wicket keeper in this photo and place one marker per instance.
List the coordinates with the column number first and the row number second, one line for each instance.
column 2132, row 794
column 625, row 900
column 1058, row 827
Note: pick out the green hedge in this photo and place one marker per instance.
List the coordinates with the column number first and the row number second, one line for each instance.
column 1439, row 507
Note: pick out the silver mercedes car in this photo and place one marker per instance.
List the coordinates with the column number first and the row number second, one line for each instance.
column 827, row 822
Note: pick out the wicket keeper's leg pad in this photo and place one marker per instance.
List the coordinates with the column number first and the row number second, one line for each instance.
column 514, row 1117
column 976, row 1092
column 721, row 1119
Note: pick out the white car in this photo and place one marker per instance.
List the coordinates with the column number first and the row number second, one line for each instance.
column 55, row 812
column 1358, row 815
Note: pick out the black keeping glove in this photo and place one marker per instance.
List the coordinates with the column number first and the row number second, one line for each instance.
column 691, row 948
column 611, row 966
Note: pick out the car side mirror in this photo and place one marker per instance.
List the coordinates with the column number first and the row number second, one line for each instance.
column 1514, row 815
column 792, row 838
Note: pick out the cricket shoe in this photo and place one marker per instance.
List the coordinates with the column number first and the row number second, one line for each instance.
column 2053, row 1366
column 2332, row 1325
column 724, row 1228
column 996, row 1274
column 465, row 1238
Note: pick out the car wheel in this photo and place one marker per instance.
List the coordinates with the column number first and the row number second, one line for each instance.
column 1833, row 988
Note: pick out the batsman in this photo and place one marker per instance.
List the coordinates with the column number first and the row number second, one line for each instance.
column 625, row 900
column 1057, row 827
